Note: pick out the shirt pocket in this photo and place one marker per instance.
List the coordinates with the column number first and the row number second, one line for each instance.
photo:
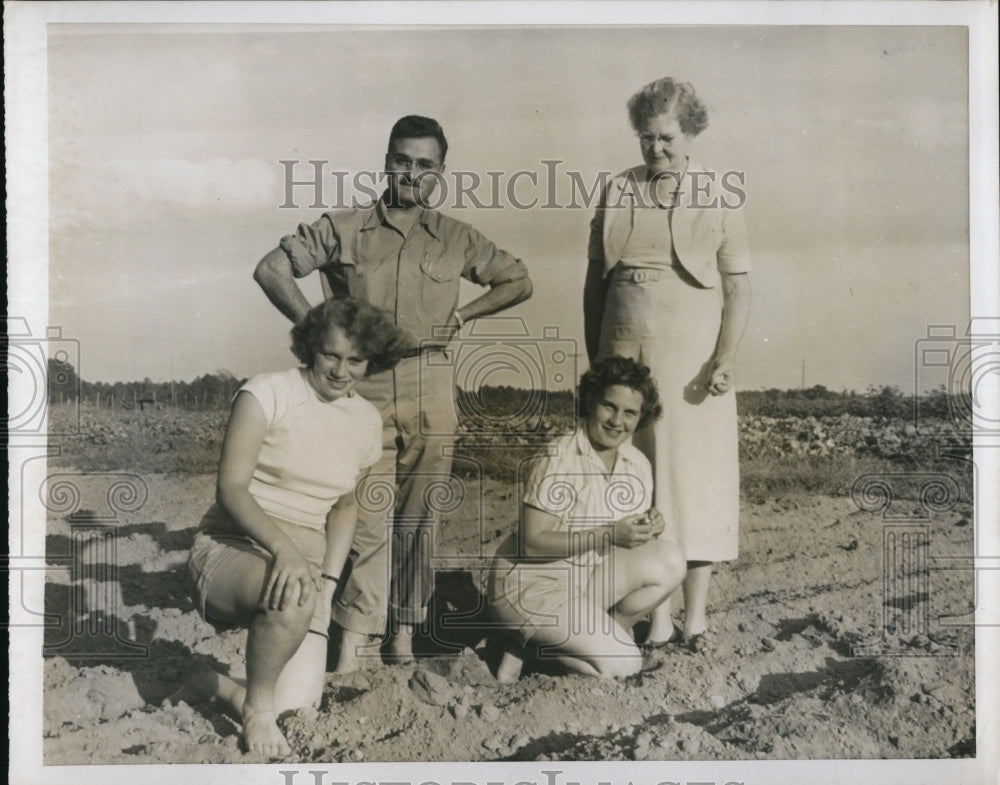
column 439, row 281
column 438, row 267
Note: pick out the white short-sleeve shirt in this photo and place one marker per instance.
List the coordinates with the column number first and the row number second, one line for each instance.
column 313, row 450
column 573, row 484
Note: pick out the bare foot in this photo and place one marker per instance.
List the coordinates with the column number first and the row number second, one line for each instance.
column 261, row 733
column 200, row 687
column 509, row 669
column 350, row 644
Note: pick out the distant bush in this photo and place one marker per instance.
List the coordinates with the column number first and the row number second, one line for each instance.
column 493, row 404
column 886, row 401
column 832, row 438
column 157, row 440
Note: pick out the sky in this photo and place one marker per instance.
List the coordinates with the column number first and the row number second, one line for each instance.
column 165, row 186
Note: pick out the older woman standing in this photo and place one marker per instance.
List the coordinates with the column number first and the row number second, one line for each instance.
column 668, row 284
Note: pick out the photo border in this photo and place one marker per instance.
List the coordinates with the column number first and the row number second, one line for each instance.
column 27, row 239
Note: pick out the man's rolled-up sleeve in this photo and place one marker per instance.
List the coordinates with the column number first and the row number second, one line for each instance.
column 312, row 246
column 487, row 265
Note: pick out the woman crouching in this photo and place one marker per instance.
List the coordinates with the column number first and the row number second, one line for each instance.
column 592, row 555
column 270, row 551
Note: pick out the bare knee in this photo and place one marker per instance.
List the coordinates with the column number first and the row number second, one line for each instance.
column 674, row 564
column 663, row 563
column 293, row 617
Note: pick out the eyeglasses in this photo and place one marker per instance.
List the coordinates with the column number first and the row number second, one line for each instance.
column 405, row 163
column 648, row 140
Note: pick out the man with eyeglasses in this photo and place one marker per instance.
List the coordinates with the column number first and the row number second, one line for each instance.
column 402, row 256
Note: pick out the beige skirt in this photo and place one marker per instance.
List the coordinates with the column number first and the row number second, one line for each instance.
column 664, row 319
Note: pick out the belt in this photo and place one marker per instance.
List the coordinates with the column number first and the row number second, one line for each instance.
column 636, row 274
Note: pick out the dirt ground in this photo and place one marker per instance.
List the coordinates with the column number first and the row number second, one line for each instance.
column 839, row 636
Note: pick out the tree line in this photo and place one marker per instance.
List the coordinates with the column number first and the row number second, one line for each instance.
column 215, row 390
column 210, row 391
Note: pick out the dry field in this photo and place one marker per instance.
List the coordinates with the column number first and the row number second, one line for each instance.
column 844, row 628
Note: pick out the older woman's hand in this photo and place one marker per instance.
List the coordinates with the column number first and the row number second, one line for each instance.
column 720, row 380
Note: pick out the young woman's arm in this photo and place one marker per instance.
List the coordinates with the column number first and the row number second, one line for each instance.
column 340, row 526
column 540, row 536
column 291, row 578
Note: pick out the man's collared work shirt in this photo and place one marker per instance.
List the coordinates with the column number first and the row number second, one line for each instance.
column 416, row 277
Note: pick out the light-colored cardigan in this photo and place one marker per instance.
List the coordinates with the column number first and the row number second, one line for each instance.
column 707, row 226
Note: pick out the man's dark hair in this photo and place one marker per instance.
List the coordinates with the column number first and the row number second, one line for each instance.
column 414, row 126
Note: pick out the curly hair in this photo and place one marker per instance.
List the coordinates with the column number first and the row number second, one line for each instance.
column 371, row 329
column 415, row 126
column 626, row 372
column 666, row 96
